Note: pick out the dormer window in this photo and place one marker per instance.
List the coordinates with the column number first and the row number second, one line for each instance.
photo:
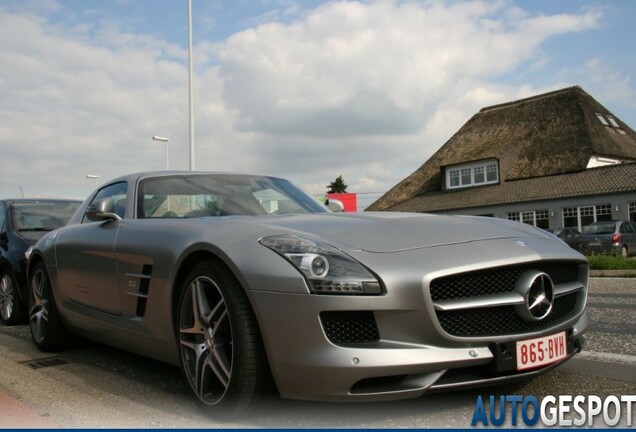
column 472, row 174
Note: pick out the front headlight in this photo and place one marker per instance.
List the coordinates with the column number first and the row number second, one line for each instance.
column 326, row 269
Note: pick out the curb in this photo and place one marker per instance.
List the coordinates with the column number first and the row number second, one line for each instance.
column 613, row 273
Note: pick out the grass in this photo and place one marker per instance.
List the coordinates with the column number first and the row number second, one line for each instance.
column 610, row 262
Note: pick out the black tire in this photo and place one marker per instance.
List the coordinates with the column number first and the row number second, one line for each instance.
column 12, row 311
column 222, row 355
column 47, row 330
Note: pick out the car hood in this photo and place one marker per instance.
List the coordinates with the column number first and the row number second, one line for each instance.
column 391, row 232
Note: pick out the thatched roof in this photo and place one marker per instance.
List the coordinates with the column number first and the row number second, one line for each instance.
column 548, row 134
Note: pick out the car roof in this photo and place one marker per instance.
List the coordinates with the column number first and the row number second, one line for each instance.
column 151, row 174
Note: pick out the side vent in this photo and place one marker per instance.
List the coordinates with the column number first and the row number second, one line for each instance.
column 143, row 286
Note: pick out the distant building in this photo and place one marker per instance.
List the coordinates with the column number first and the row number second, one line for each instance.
column 556, row 159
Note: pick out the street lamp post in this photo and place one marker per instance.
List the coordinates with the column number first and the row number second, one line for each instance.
column 162, row 139
column 190, row 84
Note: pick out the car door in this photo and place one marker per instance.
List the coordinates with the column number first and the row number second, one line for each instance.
column 86, row 258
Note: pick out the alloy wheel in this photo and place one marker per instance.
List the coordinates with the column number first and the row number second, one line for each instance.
column 40, row 304
column 206, row 342
column 7, row 294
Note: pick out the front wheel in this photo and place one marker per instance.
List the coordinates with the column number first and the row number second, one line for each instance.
column 47, row 330
column 222, row 355
column 12, row 311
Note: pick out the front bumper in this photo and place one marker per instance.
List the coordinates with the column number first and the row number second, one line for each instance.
column 307, row 365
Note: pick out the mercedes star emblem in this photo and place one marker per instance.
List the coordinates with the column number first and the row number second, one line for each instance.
column 537, row 289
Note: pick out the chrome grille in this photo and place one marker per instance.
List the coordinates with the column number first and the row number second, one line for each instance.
column 498, row 280
column 482, row 303
column 503, row 320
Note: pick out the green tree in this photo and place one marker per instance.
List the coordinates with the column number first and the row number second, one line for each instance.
column 337, row 186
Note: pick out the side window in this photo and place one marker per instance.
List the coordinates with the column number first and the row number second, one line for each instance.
column 117, row 192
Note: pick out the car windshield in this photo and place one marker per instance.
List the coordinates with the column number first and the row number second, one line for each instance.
column 221, row 195
column 42, row 215
column 602, row 228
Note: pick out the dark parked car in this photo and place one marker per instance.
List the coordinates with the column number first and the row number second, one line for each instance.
column 571, row 236
column 22, row 223
column 611, row 237
column 242, row 278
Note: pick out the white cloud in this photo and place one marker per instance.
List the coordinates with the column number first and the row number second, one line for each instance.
column 367, row 90
column 353, row 69
column 73, row 104
column 613, row 86
column 382, row 81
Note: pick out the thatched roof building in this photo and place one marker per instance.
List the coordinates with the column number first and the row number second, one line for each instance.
column 544, row 148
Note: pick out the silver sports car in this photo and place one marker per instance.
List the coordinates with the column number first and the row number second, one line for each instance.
column 248, row 283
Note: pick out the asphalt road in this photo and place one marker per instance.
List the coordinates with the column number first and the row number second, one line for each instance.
column 96, row 386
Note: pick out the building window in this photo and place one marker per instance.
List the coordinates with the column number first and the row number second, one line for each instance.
column 491, row 173
column 586, row 215
column 479, row 174
column 603, row 212
column 466, row 177
column 570, row 217
column 537, row 218
column 577, row 217
column 632, row 211
column 613, row 122
column 527, row 218
column 475, row 174
column 542, row 219
column 602, row 119
column 454, row 178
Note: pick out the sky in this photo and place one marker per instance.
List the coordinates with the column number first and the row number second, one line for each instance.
column 306, row 90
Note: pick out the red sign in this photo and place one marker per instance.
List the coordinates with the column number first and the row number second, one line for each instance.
column 349, row 200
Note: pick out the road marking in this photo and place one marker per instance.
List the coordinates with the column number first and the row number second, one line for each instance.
column 607, row 357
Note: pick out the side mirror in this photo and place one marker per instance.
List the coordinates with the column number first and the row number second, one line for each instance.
column 103, row 209
column 335, row 205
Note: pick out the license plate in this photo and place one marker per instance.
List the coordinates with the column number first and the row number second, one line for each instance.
column 542, row 351
column 595, row 244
